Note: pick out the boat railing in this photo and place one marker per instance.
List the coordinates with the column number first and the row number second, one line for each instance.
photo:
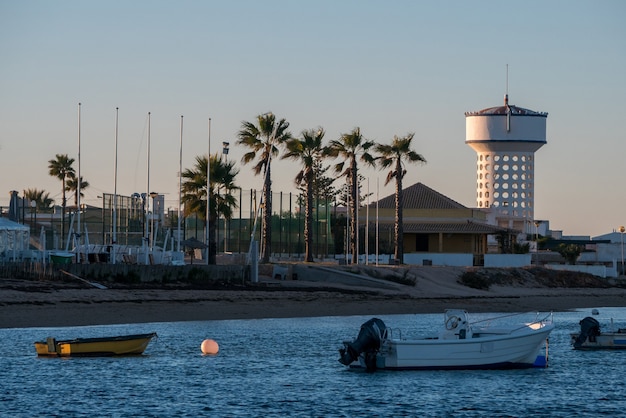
column 392, row 334
column 541, row 319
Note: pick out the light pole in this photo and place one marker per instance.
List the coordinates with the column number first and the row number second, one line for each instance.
column 225, row 146
column 33, row 209
column 151, row 235
column 536, row 236
column 621, row 230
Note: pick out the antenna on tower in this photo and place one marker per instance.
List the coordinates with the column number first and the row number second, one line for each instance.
column 506, row 101
column 506, row 90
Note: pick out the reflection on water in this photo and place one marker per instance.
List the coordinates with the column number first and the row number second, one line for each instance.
column 279, row 367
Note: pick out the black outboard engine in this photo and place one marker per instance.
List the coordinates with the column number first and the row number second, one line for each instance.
column 368, row 340
column 589, row 327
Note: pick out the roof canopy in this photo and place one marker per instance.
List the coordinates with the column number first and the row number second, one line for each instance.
column 8, row 225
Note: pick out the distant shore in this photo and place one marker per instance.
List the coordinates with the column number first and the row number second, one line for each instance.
column 25, row 304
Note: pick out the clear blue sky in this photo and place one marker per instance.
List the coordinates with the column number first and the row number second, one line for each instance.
column 389, row 67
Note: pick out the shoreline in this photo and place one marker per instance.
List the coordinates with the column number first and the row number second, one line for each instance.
column 33, row 304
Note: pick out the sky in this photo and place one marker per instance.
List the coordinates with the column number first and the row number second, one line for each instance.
column 387, row 67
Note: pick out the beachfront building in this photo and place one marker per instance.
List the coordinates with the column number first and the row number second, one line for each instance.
column 434, row 224
column 505, row 139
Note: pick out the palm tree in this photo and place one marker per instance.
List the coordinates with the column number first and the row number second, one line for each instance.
column 263, row 140
column 194, row 192
column 351, row 147
column 308, row 151
column 61, row 168
column 71, row 185
column 395, row 156
column 42, row 199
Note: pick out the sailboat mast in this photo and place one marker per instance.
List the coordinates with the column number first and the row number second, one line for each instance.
column 180, row 179
column 147, row 200
column 114, row 239
column 78, row 185
column 208, row 192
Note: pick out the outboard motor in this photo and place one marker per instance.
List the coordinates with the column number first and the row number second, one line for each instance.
column 368, row 340
column 589, row 327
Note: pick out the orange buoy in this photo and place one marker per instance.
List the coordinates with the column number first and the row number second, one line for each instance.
column 209, row 346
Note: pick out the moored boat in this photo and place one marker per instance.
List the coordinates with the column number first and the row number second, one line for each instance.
column 61, row 257
column 102, row 346
column 591, row 337
column 459, row 345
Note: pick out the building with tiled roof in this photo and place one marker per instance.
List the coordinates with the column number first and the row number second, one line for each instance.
column 434, row 223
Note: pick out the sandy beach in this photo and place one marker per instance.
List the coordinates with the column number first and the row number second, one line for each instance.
column 46, row 304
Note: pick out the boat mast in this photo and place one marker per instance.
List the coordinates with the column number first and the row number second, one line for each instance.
column 146, row 200
column 114, row 239
column 78, row 234
column 180, row 174
column 208, row 192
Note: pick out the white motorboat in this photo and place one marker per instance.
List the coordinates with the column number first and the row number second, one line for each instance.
column 459, row 345
column 591, row 337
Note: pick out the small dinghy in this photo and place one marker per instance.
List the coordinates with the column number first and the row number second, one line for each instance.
column 124, row 345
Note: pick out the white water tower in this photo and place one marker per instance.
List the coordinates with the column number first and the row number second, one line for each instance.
column 505, row 139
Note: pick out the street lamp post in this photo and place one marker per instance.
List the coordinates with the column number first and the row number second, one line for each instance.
column 537, row 236
column 621, row 230
column 33, row 209
column 151, row 235
column 225, row 146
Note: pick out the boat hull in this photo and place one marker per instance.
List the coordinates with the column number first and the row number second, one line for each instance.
column 458, row 345
column 61, row 258
column 605, row 341
column 488, row 352
column 105, row 346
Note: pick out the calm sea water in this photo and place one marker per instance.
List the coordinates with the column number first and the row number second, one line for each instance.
column 289, row 367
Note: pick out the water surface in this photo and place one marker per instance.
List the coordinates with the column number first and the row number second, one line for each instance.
column 289, row 367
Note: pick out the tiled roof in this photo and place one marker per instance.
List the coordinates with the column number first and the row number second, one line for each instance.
column 419, row 196
column 452, row 227
column 503, row 110
column 467, row 227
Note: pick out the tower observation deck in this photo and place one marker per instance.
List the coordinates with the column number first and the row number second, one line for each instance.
column 505, row 139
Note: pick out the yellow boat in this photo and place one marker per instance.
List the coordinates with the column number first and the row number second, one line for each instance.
column 123, row 345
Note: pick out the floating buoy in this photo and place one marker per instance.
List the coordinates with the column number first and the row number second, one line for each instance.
column 209, row 347
column 595, row 312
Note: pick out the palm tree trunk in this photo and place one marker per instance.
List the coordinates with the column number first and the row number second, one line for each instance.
column 267, row 217
column 353, row 208
column 399, row 230
column 63, row 205
column 308, row 214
